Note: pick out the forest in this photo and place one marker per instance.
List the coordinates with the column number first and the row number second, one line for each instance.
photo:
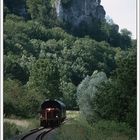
column 93, row 71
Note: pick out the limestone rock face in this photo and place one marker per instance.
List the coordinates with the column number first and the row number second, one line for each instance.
column 79, row 11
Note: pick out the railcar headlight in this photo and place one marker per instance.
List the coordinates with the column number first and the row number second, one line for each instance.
column 56, row 116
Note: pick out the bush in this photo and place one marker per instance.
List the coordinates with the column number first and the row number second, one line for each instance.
column 15, row 128
column 19, row 101
column 74, row 130
column 116, row 99
column 103, row 130
column 113, row 129
column 13, row 95
column 10, row 130
column 86, row 93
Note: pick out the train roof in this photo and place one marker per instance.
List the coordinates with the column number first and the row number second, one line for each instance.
column 52, row 103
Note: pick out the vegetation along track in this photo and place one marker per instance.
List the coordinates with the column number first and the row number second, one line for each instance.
column 37, row 134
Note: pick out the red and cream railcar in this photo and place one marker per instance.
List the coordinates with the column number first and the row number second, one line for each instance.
column 53, row 112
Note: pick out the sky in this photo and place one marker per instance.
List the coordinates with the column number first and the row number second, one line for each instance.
column 123, row 13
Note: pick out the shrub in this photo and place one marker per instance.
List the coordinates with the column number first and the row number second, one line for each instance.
column 19, row 101
column 10, row 130
column 86, row 93
column 103, row 130
column 116, row 99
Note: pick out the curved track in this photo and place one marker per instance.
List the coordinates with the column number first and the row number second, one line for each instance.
column 37, row 134
column 41, row 136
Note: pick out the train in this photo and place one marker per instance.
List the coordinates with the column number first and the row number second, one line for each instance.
column 53, row 113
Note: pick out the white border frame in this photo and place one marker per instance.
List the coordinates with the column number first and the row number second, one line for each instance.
column 1, row 70
column 138, row 68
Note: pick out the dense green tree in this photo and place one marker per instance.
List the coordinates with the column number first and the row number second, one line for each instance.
column 69, row 95
column 117, row 98
column 45, row 79
column 19, row 101
column 5, row 11
column 114, row 36
column 15, row 40
column 112, row 99
column 125, row 32
column 126, row 38
column 33, row 101
column 13, row 93
column 85, row 56
column 13, row 70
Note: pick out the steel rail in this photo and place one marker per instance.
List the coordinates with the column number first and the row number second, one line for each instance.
column 40, row 136
column 32, row 132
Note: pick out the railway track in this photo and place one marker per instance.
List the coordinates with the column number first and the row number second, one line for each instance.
column 41, row 136
column 36, row 134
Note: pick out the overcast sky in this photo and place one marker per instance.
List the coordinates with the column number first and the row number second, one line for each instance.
column 123, row 13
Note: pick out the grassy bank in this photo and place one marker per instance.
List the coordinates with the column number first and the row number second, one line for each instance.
column 72, row 114
column 79, row 129
column 13, row 127
column 76, row 128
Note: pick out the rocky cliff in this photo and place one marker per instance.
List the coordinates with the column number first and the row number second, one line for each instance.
column 77, row 12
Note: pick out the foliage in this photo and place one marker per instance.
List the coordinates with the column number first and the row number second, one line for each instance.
column 42, row 11
column 86, row 93
column 15, row 128
column 10, row 130
column 44, row 78
column 44, row 58
column 103, row 130
column 19, row 102
column 15, row 40
column 5, row 11
column 13, row 92
column 69, row 94
column 13, row 70
column 126, row 37
column 85, row 56
column 116, row 99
